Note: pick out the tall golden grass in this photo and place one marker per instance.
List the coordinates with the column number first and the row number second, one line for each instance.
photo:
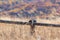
column 22, row 32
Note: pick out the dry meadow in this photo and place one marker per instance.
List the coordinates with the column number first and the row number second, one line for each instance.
column 22, row 32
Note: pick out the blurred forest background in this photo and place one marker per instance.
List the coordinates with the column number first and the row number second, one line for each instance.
column 42, row 9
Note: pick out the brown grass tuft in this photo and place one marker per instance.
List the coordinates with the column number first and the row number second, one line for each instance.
column 22, row 32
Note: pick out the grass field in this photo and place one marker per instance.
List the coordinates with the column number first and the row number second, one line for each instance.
column 22, row 32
